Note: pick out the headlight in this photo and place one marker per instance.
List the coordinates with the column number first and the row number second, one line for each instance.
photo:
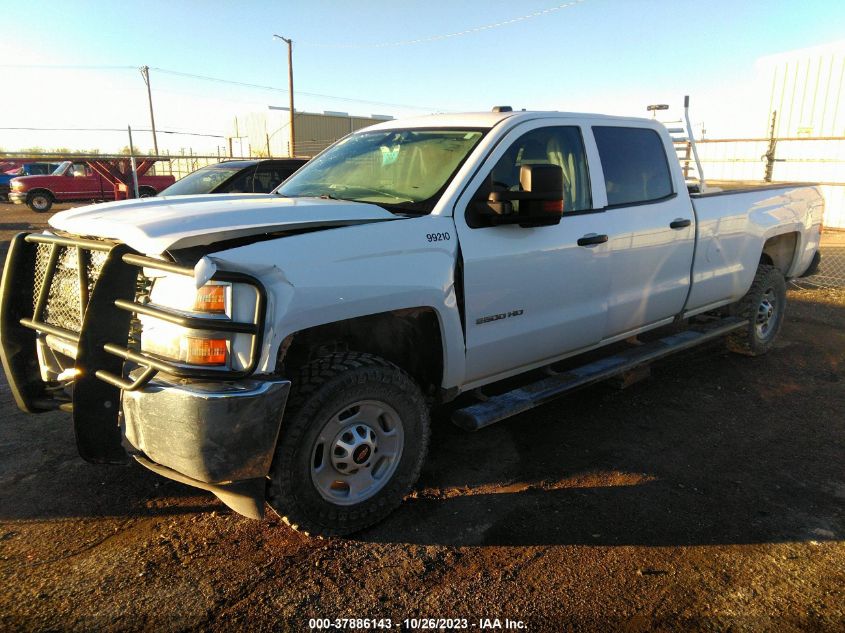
column 16, row 185
column 191, row 347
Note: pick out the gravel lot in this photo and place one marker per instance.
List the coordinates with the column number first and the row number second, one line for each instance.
column 709, row 497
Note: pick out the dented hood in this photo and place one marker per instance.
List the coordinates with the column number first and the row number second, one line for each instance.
column 154, row 225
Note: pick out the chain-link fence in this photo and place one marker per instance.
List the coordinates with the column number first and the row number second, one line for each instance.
column 831, row 272
column 180, row 166
column 819, row 160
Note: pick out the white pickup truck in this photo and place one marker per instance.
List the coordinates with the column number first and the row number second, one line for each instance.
column 287, row 347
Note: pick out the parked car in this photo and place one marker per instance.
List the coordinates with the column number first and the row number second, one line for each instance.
column 236, row 176
column 286, row 348
column 27, row 169
column 72, row 181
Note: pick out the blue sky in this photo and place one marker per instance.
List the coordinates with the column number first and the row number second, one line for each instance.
column 603, row 55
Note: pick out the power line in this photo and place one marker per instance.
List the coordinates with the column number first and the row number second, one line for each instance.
column 230, row 82
column 299, row 92
column 436, row 38
column 68, row 66
column 106, row 129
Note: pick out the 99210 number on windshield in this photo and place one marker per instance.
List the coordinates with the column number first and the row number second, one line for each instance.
column 438, row 237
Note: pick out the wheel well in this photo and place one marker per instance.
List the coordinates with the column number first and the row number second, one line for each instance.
column 39, row 190
column 779, row 251
column 409, row 338
column 152, row 190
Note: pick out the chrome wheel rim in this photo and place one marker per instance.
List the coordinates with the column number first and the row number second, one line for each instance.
column 357, row 452
column 766, row 314
column 39, row 202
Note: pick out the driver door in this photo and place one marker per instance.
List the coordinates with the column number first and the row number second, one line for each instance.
column 532, row 295
column 82, row 183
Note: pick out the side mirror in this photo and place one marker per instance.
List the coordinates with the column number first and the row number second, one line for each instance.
column 540, row 201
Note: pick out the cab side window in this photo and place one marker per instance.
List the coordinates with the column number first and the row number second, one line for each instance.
column 560, row 145
column 634, row 162
column 269, row 176
column 241, row 183
column 80, row 169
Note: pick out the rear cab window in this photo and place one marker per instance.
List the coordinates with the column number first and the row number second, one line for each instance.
column 636, row 170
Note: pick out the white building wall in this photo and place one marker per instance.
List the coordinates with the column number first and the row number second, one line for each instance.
column 807, row 90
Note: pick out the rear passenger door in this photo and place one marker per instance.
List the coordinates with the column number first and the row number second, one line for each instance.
column 652, row 236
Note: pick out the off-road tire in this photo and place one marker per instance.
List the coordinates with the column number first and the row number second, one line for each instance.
column 319, row 391
column 768, row 284
column 40, row 201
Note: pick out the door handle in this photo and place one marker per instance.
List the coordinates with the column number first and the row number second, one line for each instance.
column 680, row 223
column 592, row 239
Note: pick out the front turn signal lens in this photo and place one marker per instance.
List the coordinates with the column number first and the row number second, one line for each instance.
column 207, row 351
column 211, row 299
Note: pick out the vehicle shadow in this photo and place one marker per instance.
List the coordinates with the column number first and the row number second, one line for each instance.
column 42, row 477
column 78, row 490
column 714, row 448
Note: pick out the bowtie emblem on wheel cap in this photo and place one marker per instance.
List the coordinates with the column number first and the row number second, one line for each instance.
column 361, row 454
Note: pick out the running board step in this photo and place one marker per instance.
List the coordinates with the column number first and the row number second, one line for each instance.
column 497, row 408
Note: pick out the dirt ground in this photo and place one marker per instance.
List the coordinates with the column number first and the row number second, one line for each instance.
column 709, row 497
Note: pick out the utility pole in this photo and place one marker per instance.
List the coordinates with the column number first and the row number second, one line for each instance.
column 289, row 42
column 132, row 166
column 145, row 73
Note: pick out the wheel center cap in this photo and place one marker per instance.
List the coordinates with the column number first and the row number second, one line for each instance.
column 361, row 454
column 353, row 448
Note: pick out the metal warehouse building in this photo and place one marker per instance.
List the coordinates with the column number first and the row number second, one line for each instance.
column 268, row 133
column 802, row 105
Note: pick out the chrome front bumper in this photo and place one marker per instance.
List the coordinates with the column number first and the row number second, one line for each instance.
column 219, row 436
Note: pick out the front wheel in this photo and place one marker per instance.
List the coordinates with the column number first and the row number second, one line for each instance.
column 40, row 201
column 351, row 446
column 764, row 306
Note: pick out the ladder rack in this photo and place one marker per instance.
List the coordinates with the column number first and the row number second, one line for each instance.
column 684, row 141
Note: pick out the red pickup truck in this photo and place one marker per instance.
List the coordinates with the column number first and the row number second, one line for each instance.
column 76, row 180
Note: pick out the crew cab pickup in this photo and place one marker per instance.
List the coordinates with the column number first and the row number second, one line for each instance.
column 287, row 347
column 73, row 181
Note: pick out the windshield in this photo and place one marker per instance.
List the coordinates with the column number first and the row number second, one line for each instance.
column 402, row 170
column 201, row 181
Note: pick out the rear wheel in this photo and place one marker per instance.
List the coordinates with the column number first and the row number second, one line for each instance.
column 40, row 201
column 351, row 447
column 146, row 192
column 763, row 305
